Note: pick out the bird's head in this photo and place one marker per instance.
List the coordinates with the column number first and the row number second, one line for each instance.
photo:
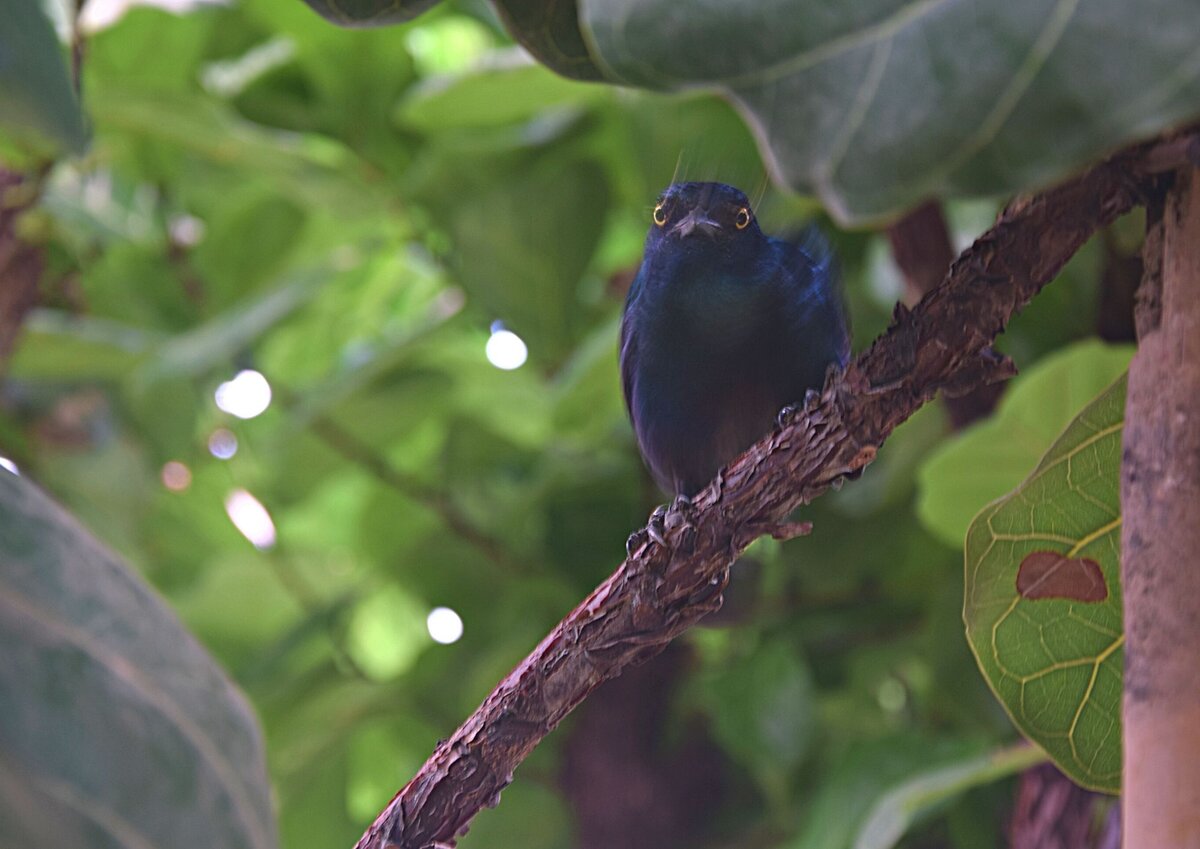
column 707, row 214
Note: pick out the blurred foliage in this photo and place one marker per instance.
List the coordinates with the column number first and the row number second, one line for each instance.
column 350, row 212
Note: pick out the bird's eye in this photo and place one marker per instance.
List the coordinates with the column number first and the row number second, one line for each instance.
column 742, row 221
column 660, row 215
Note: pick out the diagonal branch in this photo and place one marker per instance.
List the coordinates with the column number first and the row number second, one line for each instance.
column 663, row 589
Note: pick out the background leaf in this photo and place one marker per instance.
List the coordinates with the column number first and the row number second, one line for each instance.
column 117, row 728
column 1055, row 663
column 991, row 458
column 37, row 100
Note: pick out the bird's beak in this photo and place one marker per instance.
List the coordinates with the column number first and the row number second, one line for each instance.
column 696, row 221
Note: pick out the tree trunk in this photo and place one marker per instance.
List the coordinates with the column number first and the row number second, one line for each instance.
column 1160, row 541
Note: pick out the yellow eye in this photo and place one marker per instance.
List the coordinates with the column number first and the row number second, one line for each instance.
column 742, row 221
column 660, row 215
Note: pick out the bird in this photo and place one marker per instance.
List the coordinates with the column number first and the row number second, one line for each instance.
column 723, row 327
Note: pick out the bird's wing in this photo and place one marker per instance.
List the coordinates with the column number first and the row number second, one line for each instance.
column 808, row 256
column 628, row 350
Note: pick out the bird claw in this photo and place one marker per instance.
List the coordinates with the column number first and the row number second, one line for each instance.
column 786, row 416
column 636, row 540
column 656, row 527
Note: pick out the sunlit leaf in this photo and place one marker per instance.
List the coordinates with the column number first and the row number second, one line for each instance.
column 492, row 95
column 1054, row 659
column 115, row 725
column 991, row 458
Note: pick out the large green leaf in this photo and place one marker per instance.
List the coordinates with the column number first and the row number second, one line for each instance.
column 877, row 104
column 37, row 101
column 116, row 728
column 1043, row 597
column 369, row 13
column 550, row 31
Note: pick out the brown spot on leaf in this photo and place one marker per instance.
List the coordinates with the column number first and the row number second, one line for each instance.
column 1048, row 574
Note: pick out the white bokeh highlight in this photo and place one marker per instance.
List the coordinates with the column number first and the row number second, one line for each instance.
column 246, row 396
column 222, row 444
column 251, row 518
column 445, row 626
column 505, row 349
column 9, row 465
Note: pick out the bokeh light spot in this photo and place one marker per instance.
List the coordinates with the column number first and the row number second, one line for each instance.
column 445, row 626
column 251, row 518
column 222, row 444
column 246, row 396
column 176, row 476
column 505, row 349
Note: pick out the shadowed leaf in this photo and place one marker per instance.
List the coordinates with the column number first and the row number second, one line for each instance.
column 115, row 725
column 36, row 98
column 876, row 105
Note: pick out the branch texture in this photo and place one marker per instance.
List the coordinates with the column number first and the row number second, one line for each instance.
column 1160, row 535
column 662, row 589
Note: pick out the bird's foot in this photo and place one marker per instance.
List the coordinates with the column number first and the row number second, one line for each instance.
column 664, row 518
column 656, row 527
column 788, row 414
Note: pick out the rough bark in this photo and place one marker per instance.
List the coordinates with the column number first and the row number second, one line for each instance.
column 1160, row 538
column 21, row 264
column 664, row 587
column 923, row 252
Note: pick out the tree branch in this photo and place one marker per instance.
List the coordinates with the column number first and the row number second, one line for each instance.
column 1160, row 534
column 663, row 589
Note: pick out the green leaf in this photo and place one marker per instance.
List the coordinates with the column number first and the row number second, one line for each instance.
column 1049, row 649
column 875, row 105
column 561, row 208
column 37, row 101
column 991, row 458
column 491, row 96
column 917, row 797
column 862, row 776
column 763, row 712
column 56, row 346
column 116, row 728
column 550, row 31
column 369, row 13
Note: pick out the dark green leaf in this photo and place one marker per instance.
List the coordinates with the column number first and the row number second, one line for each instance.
column 550, row 31
column 37, row 101
column 115, row 725
column 876, row 105
column 369, row 13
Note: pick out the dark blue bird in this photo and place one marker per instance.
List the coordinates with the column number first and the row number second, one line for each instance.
column 723, row 327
